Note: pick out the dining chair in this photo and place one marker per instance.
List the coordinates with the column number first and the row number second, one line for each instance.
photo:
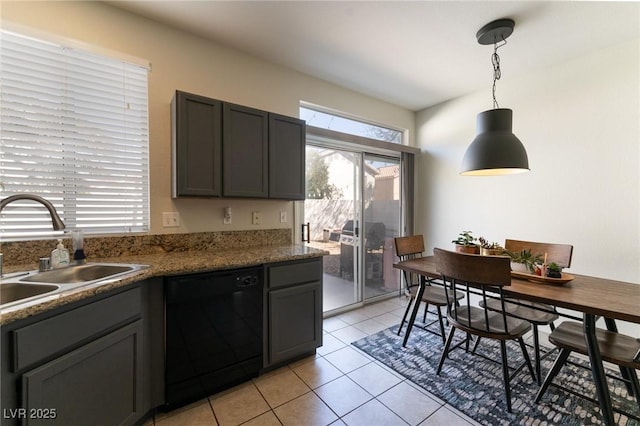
column 483, row 274
column 615, row 348
column 536, row 313
column 411, row 247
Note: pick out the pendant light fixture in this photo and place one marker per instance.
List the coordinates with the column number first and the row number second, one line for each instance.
column 495, row 150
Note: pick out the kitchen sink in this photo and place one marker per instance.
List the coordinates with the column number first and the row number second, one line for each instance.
column 10, row 292
column 80, row 274
column 33, row 285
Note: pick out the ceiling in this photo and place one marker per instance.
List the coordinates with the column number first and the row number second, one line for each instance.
column 411, row 53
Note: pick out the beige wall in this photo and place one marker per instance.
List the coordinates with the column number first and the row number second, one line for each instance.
column 185, row 62
column 580, row 123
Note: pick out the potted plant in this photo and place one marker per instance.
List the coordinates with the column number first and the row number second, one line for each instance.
column 523, row 261
column 466, row 243
column 554, row 270
column 490, row 249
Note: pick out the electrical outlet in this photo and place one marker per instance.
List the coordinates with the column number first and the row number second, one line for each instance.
column 170, row 219
column 283, row 217
column 227, row 216
column 256, row 218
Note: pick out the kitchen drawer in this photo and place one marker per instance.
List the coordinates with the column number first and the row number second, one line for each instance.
column 52, row 336
column 282, row 275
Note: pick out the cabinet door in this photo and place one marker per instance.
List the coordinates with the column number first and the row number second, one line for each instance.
column 245, row 152
column 98, row 383
column 295, row 321
column 286, row 157
column 197, row 145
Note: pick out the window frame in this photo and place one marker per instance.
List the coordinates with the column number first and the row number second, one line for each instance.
column 115, row 141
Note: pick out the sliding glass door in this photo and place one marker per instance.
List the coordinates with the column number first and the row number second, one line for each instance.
column 381, row 220
column 332, row 210
column 353, row 209
column 359, row 197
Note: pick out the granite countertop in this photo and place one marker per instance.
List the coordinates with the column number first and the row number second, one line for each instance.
column 161, row 265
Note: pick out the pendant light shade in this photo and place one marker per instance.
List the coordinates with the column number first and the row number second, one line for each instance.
column 495, row 150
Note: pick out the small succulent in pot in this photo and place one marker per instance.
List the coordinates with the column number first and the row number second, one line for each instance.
column 490, row 249
column 466, row 243
column 554, row 270
column 524, row 257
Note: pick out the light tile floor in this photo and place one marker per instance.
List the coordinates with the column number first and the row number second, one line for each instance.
column 340, row 385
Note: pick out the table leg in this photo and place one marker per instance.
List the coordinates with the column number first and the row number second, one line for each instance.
column 597, row 369
column 414, row 309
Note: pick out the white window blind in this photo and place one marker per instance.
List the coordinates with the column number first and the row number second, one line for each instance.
column 74, row 130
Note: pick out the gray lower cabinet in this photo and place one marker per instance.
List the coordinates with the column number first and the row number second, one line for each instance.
column 101, row 360
column 98, row 383
column 294, row 310
column 83, row 363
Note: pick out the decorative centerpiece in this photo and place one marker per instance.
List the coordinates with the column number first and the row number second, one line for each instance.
column 490, row 249
column 535, row 268
column 466, row 243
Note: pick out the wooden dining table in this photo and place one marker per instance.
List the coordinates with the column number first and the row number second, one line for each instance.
column 592, row 296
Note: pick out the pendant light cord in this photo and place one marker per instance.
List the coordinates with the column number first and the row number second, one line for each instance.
column 497, row 73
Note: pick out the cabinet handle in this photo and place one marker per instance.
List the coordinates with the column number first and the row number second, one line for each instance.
column 308, row 240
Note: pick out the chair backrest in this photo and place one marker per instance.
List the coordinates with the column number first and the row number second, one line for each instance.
column 558, row 253
column 410, row 246
column 494, row 271
column 469, row 273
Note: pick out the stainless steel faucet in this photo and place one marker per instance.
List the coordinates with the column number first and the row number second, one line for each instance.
column 55, row 219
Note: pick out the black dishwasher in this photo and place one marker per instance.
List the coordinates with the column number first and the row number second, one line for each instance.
column 213, row 326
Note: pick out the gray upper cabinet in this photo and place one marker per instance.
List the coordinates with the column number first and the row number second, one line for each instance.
column 245, row 151
column 286, row 157
column 228, row 150
column 196, row 145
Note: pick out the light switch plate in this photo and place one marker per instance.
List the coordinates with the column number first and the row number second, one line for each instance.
column 170, row 219
column 283, row 217
column 256, row 218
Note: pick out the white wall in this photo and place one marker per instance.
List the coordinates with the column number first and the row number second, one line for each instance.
column 580, row 123
column 185, row 62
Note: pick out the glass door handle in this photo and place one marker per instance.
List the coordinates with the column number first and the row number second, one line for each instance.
column 308, row 240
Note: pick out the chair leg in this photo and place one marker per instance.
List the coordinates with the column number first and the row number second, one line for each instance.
column 635, row 384
column 445, row 351
column 557, row 365
column 426, row 308
column 475, row 346
column 536, row 353
column 469, row 340
column 633, row 379
column 525, row 354
column 442, row 333
column 404, row 317
column 505, row 373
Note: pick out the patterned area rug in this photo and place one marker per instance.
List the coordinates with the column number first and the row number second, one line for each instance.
column 474, row 385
